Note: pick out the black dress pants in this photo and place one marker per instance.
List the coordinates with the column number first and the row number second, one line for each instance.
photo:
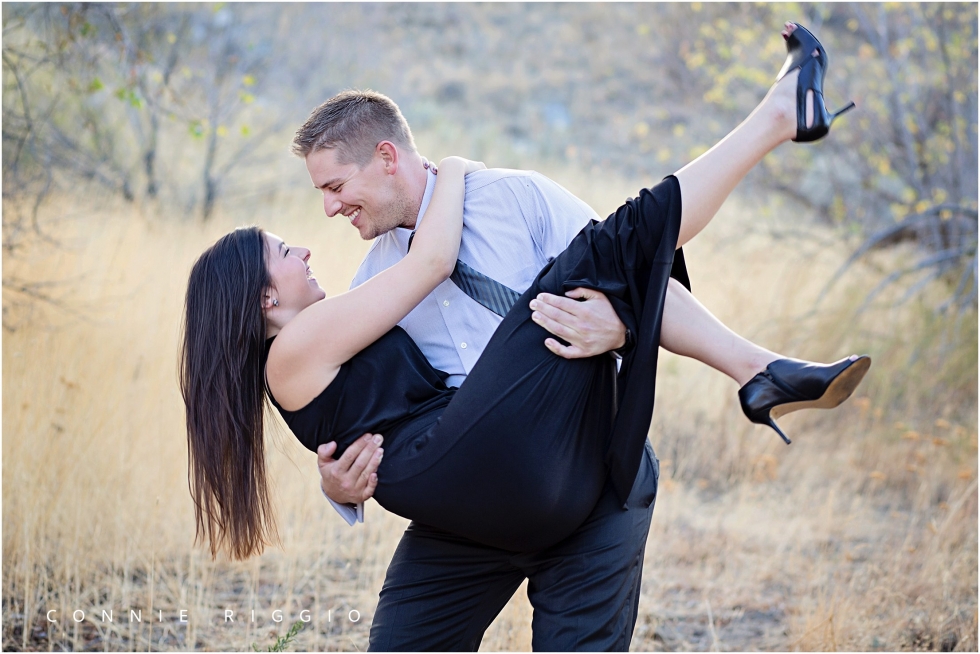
column 442, row 591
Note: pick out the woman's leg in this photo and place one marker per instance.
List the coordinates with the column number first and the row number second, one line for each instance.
column 690, row 330
column 709, row 179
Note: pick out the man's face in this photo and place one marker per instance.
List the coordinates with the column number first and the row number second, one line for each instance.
column 371, row 198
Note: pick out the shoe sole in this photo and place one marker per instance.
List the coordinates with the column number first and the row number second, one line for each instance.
column 839, row 390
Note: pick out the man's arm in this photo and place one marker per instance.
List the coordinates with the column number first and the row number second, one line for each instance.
column 584, row 318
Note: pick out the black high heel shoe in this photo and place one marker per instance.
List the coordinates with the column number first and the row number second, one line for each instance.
column 788, row 385
column 808, row 55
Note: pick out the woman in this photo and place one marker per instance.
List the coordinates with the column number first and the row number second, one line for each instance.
column 517, row 456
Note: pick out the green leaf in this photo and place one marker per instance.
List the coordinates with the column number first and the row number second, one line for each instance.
column 95, row 85
column 129, row 95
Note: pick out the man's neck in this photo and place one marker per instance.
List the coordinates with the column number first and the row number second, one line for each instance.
column 417, row 177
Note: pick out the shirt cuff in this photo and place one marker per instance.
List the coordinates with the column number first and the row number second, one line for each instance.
column 351, row 513
column 627, row 346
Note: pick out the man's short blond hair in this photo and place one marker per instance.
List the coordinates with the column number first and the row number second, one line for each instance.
column 353, row 123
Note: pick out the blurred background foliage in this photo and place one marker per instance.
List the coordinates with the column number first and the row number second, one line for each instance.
column 176, row 103
column 135, row 134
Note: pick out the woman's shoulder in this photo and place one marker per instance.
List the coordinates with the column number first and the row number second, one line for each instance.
column 296, row 388
column 291, row 378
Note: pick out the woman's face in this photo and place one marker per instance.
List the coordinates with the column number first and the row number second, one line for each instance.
column 293, row 284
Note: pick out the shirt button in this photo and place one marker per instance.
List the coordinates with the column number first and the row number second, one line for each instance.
column 445, row 303
column 463, row 345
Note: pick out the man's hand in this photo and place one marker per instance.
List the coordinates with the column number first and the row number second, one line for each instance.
column 353, row 477
column 590, row 326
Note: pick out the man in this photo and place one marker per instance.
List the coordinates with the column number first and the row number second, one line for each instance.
column 441, row 591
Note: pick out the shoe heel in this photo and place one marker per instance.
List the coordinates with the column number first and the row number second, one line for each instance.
column 840, row 112
column 772, row 423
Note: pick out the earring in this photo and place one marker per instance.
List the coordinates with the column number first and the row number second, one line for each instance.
column 275, row 303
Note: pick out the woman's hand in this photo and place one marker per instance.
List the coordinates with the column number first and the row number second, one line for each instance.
column 468, row 165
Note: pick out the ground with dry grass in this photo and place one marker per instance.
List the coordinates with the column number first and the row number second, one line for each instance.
column 860, row 536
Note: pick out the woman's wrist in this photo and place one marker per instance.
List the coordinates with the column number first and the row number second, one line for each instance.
column 452, row 165
column 462, row 164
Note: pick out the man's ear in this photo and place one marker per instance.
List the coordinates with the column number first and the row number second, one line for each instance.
column 388, row 152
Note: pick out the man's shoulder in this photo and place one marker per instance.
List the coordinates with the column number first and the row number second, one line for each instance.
column 522, row 186
column 483, row 179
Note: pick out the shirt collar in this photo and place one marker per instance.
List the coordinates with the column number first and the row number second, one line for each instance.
column 403, row 234
column 430, row 185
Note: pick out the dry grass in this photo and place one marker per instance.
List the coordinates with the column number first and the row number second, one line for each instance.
column 861, row 536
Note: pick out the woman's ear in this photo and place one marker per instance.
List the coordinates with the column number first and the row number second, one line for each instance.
column 268, row 301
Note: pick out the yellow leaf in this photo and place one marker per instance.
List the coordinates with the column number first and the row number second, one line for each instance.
column 248, row 80
column 899, row 211
column 222, row 130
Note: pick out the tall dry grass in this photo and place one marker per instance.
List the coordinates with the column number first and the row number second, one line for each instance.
column 861, row 536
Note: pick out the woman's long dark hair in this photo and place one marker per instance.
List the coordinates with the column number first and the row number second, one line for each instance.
column 222, row 359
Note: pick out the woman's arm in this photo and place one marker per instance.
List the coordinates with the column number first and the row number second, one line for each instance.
column 311, row 348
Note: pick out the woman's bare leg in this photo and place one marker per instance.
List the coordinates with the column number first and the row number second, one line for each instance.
column 690, row 330
column 708, row 180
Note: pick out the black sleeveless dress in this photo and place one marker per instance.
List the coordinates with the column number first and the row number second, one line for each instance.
column 516, row 457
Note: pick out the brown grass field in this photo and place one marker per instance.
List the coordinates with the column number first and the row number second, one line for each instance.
column 860, row 536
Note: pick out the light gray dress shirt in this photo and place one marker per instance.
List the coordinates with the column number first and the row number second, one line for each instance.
column 514, row 222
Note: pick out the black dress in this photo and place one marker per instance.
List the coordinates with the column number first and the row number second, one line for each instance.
column 517, row 457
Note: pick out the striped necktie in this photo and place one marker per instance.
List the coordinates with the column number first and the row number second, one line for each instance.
column 485, row 290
